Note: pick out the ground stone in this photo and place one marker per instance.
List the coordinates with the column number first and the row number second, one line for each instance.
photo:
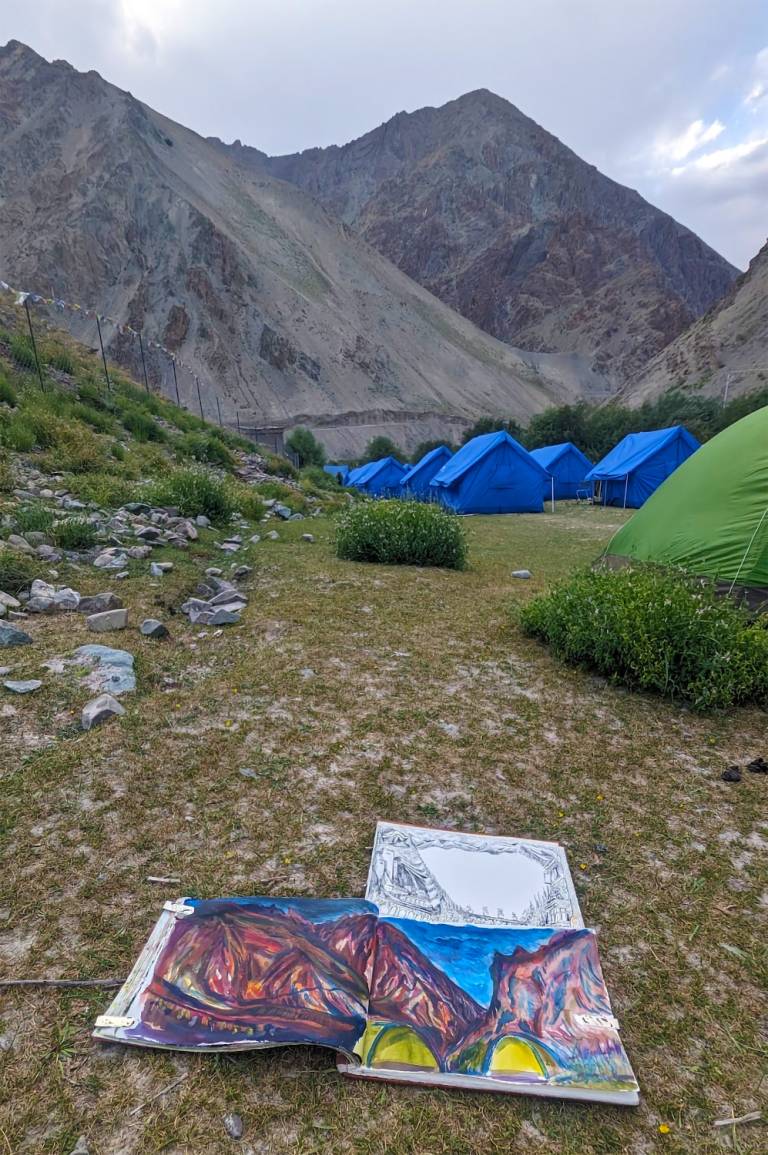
column 66, row 599
column 23, row 687
column 233, row 1125
column 108, row 620
column 10, row 636
column 100, row 710
column 521, row 573
column 152, row 628
column 99, row 603
column 40, row 605
column 8, row 600
column 310, row 537
column 273, row 535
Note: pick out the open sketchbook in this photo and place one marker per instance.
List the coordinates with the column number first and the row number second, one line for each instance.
column 486, row 1003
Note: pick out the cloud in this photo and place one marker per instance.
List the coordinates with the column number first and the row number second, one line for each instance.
column 695, row 136
column 723, row 157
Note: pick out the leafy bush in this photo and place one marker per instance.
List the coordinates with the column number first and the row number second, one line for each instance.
column 305, row 445
column 98, row 419
column 656, row 630
column 60, row 359
column 35, row 517
column 246, row 500
column 18, row 435
column 22, row 351
column 17, row 571
column 103, row 489
column 75, row 533
column 7, row 393
column 275, row 490
column 379, row 447
column 142, row 425
column 77, row 450
column 194, row 491
column 315, row 477
column 276, row 465
column 402, row 533
column 7, row 480
column 45, row 426
column 208, row 449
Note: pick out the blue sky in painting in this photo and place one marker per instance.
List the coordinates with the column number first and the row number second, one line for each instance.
column 313, row 909
column 465, row 953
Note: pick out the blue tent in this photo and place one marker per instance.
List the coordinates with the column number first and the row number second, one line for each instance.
column 491, row 474
column 378, row 478
column 630, row 473
column 417, row 479
column 567, row 465
column 340, row 472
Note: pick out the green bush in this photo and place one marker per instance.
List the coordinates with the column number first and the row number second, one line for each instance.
column 655, row 630
column 246, row 500
column 103, row 489
column 22, row 351
column 7, row 480
column 275, row 490
column 315, row 477
column 207, row 449
column 75, row 533
column 35, row 517
column 305, row 445
column 17, row 571
column 18, row 435
column 276, row 465
column 60, row 359
column 402, row 533
column 98, row 419
column 194, row 491
column 142, row 425
column 77, row 450
column 7, row 393
column 45, row 426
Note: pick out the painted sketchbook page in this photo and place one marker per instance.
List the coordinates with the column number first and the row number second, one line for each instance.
column 515, row 1010
column 240, row 973
column 445, row 876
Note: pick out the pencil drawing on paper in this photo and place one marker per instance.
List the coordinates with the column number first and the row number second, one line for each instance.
column 437, row 876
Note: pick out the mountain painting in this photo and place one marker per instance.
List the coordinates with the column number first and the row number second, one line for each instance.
column 248, row 972
column 523, row 1009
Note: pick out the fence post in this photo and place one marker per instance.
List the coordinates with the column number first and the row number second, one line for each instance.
column 103, row 354
column 175, row 380
column 218, row 410
column 143, row 364
column 34, row 344
column 237, row 414
column 199, row 398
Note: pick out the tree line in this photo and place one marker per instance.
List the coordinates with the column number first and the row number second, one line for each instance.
column 595, row 429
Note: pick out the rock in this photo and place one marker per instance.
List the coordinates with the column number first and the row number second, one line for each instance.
column 11, row 602
column 193, row 605
column 282, row 511
column 202, row 521
column 246, row 772
column 310, row 537
column 521, row 573
column 41, row 589
column 757, row 766
column 20, row 543
column 81, row 1147
column 107, row 620
column 34, row 537
column 140, row 552
column 111, row 559
column 148, row 533
column 226, row 597
column 27, row 687
column 732, row 774
column 112, row 669
column 137, row 507
column 122, row 575
column 48, row 553
column 214, row 571
column 296, row 517
column 242, row 571
column 255, row 539
column 224, row 616
column 10, row 636
column 100, row 710
column 156, row 570
column 233, row 1125
column 66, row 599
column 152, row 628
column 5, row 670
column 273, row 535
column 228, row 546
column 600, row 848
column 40, row 605
column 3, row 610
column 99, row 603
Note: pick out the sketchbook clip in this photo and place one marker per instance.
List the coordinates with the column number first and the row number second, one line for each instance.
column 114, row 1021
column 179, row 908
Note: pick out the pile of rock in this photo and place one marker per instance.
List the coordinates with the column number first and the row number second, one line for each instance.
column 219, row 602
column 45, row 598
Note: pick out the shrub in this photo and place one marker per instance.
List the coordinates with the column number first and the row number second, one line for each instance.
column 75, row 533
column 22, row 351
column 305, row 445
column 45, row 426
column 7, row 393
column 7, row 480
column 98, row 419
column 655, row 630
column 60, row 359
column 402, row 533
column 103, row 489
column 35, row 517
column 142, row 425
column 208, row 449
column 17, row 571
column 18, row 435
column 77, row 451
column 315, row 477
column 194, row 491
column 247, row 501
column 275, row 490
column 276, row 465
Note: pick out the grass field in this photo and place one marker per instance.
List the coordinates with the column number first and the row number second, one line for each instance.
column 356, row 693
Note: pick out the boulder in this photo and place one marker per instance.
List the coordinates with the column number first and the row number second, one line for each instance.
column 20, row 543
column 111, row 669
column 100, row 710
column 152, row 628
column 310, row 537
column 9, row 601
column 107, row 620
column 66, row 599
column 41, row 605
column 111, row 559
column 99, row 603
column 24, row 687
column 11, row 636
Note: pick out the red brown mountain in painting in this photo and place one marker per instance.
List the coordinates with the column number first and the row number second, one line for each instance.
column 262, row 972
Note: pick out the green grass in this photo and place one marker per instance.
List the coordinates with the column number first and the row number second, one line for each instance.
column 428, row 705
column 75, row 533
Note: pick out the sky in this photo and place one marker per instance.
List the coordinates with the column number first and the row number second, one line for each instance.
column 667, row 96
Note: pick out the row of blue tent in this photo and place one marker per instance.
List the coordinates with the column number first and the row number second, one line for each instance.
column 493, row 473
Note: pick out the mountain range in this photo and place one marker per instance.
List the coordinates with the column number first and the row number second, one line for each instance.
column 454, row 262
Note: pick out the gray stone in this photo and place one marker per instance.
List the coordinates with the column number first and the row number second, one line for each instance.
column 3, row 610
column 41, row 605
column 137, row 507
column 193, row 605
column 155, row 570
column 11, row 602
column 273, row 535
column 122, row 575
column 255, row 539
column 100, row 710
column 152, row 628
column 226, row 597
column 111, row 559
column 108, row 620
column 112, row 669
column 246, row 772
column 228, row 546
column 41, row 589
column 190, row 529
column 242, row 571
column 19, row 543
column 521, row 573
column 5, row 670
column 148, row 533
column 310, row 537
column 48, row 553
column 66, row 599
column 282, row 511
column 25, row 687
column 81, row 1147
column 140, row 552
column 224, row 617
column 34, row 537
column 10, row 636
column 296, row 517
column 99, row 603
column 233, row 1125
column 214, row 571
column 202, row 521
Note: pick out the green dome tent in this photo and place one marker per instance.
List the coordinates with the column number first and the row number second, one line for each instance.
column 710, row 517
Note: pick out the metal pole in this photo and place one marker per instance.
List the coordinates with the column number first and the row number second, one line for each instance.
column 175, row 381
column 237, row 414
column 199, row 398
column 34, row 344
column 143, row 364
column 553, row 494
column 626, row 486
column 218, row 409
column 103, row 354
